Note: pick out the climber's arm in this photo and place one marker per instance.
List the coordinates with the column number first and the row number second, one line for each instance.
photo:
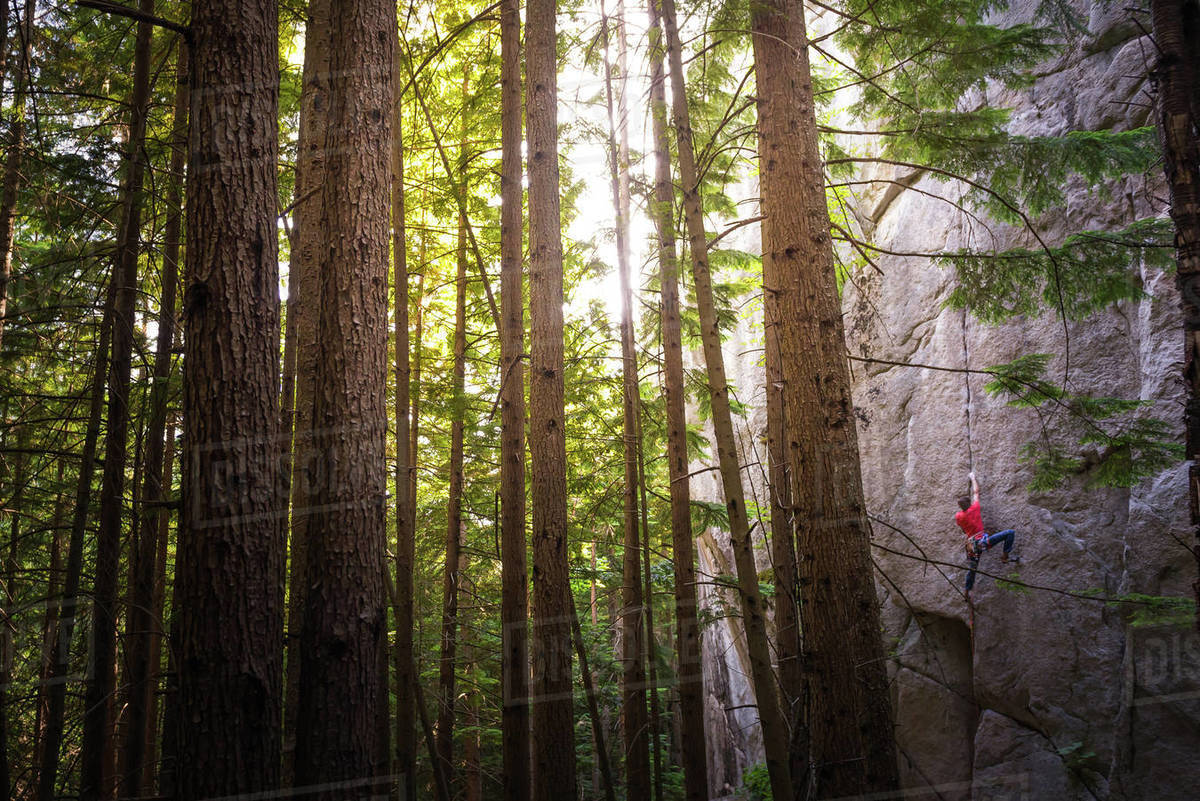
column 974, row 487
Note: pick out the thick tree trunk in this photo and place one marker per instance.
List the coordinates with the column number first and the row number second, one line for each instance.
column 142, row 622
column 514, row 612
column 304, row 305
column 553, row 728
column 406, row 741
column 454, row 524
column 783, row 544
column 774, row 728
column 634, row 723
column 689, row 670
column 228, row 633
column 13, row 158
column 1176, row 26
column 344, row 620
column 846, row 689
column 95, row 779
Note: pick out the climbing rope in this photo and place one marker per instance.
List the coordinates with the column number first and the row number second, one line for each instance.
column 967, row 384
column 970, row 454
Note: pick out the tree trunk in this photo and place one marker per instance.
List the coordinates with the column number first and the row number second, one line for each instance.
column 1176, row 26
column 689, row 671
column 846, row 688
column 11, row 186
column 406, row 742
column 589, row 691
column 10, row 605
column 303, row 299
column 553, row 728
column 634, row 723
column 454, row 523
column 95, row 781
column 159, row 630
column 514, row 612
column 60, row 658
column 145, row 557
column 783, row 545
column 651, row 648
column 774, row 729
column 344, row 621
column 228, row 633
column 50, row 624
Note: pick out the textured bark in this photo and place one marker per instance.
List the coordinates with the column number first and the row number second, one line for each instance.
column 783, row 544
column 514, row 611
column 452, row 575
column 141, row 618
column 13, row 157
column 344, row 628
column 60, row 658
column 634, row 724
column 95, row 772
column 848, row 712
column 304, row 307
column 406, row 741
column 1176, row 27
column 774, row 728
column 693, row 748
column 553, row 730
column 228, row 632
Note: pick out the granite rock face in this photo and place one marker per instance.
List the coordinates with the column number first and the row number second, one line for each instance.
column 1051, row 694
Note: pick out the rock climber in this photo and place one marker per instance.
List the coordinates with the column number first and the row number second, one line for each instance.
column 970, row 520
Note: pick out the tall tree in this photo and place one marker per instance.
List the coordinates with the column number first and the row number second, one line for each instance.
column 341, row 685
column 514, row 612
column 144, row 555
column 1176, row 26
column 97, row 721
column 634, row 723
column 406, row 739
column 304, row 301
column 849, row 713
column 13, row 154
column 60, row 654
column 553, row 729
column 228, row 629
column 452, row 576
column 774, row 728
column 693, row 747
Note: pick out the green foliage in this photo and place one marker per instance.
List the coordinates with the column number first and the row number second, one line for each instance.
column 1146, row 611
column 1115, row 446
column 756, row 784
column 1087, row 272
column 1013, row 584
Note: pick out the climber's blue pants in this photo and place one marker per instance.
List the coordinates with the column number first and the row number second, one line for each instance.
column 1005, row 536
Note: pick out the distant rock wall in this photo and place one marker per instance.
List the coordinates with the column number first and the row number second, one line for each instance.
column 1053, row 696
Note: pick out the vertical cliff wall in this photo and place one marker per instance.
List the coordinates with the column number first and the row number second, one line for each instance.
column 1052, row 694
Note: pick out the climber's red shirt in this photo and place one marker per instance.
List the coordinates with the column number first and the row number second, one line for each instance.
column 971, row 520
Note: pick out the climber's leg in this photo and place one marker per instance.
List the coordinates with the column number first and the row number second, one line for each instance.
column 1007, row 537
column 971, row 573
